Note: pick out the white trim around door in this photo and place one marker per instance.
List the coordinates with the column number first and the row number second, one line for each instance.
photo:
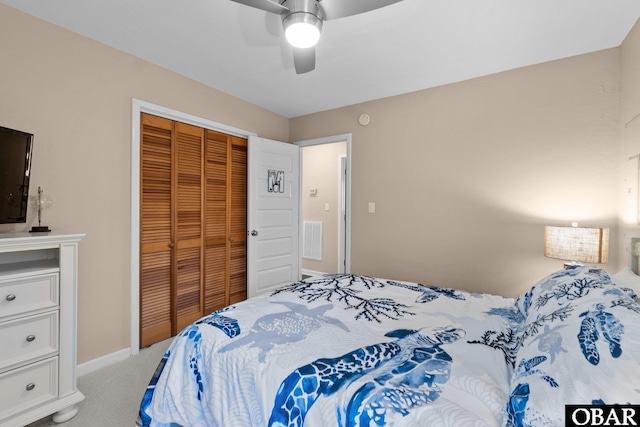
column 138, row 107
column 346, row 221
column 343, row 195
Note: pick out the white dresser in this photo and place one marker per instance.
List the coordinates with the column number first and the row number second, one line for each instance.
column 38, row 299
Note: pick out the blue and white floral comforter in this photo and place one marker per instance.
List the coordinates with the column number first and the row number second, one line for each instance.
column 344, row 350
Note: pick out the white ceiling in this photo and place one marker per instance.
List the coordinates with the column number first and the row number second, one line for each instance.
column 408, row 46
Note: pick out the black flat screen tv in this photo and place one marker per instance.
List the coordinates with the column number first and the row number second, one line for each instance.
column 15, row 168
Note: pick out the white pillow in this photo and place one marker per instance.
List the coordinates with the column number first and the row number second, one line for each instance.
column 626, row 278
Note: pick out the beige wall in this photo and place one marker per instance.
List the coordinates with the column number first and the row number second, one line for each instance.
column 630, row 136
column 321, row 171
column 465, row 176
column 75, row 95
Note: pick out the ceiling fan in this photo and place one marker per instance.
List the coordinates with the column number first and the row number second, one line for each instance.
column 302, row 21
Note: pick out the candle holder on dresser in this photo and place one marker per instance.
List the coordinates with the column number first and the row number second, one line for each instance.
column 40, row 202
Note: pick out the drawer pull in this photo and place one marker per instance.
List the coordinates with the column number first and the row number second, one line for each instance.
column 30, row 386
column 31, row 338
column 10, row 297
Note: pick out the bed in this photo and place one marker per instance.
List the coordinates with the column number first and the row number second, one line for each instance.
column 346, row 350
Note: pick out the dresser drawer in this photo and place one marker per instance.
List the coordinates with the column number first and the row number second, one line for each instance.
column 28, row 338
column 27, row 387
column 27, row 294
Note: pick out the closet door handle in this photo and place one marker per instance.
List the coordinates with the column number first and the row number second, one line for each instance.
column 254, row 232
column 30, row 386
column 10, row 297
column 31, row 338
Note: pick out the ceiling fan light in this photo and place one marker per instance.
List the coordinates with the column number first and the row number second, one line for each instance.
column 302, row 29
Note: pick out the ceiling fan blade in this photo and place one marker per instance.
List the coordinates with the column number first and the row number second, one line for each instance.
column 266, row 5
column 304, row 60
column 334, row 9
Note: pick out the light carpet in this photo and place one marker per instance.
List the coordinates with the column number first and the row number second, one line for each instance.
column 113, row 394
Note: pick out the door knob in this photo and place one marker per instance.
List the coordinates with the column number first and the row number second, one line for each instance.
column 254, row 232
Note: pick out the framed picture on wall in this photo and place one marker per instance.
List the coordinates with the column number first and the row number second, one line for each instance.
column 276, row 181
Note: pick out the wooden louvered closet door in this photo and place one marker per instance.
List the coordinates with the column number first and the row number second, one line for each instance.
column 226, row 220
column 156, row 240
column 193, row 226
column 238, row 221
column 189, row 144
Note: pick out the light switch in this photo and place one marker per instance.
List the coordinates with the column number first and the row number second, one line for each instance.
column 372, row 207
column 326, row 206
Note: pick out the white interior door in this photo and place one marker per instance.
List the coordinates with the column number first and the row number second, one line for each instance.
column 273, row 215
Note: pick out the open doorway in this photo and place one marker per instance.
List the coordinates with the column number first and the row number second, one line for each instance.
column 324, row 202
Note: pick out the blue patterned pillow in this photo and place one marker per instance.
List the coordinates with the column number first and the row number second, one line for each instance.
column 579, row 343
column 560, row 287
column 629, row 281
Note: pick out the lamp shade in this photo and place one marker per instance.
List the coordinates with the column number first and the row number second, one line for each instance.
column 577, row 244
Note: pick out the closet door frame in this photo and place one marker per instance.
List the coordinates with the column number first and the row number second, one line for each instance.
column 138, row 107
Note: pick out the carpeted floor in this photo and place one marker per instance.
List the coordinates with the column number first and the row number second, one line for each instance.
column 113, row 394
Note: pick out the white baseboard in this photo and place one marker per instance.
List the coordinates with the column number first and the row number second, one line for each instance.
column 103, row 361
column 312, row 273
